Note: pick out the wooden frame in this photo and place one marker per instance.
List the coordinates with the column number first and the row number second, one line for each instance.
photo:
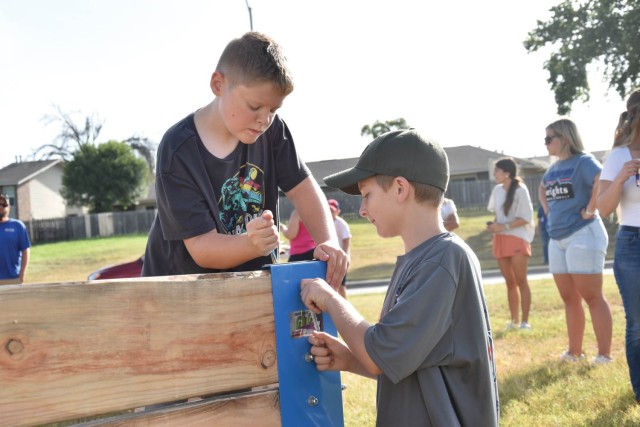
column 74, row 350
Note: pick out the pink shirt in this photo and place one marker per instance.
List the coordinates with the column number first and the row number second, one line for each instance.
column 303, row 242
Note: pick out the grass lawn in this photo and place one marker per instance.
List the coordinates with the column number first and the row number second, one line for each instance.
column 73, row 261
column 373, row 257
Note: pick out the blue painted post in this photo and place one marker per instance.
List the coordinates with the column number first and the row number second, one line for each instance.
column 308, row 397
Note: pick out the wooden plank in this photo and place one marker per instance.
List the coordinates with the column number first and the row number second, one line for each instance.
column 77, row 349
column 240, row 410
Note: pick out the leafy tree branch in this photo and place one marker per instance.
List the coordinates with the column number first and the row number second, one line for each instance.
column 585, row 32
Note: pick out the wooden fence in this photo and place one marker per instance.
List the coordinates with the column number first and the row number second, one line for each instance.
column 93, row 225
column 468, row 195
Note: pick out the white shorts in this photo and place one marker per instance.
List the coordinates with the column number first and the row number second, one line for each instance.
column 583, row 252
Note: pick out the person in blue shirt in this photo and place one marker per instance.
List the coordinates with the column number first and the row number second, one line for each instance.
column 578, row 240
column 14, row 246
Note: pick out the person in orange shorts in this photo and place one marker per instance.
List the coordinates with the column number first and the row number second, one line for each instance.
column 513, row 231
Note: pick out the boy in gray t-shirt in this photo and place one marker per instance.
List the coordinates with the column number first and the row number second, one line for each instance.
column 431, row 350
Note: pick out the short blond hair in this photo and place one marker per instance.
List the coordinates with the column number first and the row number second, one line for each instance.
column 424, row 192
column 254, row 58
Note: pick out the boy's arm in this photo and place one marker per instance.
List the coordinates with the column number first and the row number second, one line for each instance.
column 311, row 204
column 223, row 251
column 332, row 354
column 319, row 297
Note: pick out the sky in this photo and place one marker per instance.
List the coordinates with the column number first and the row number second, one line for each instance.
column 456, row 71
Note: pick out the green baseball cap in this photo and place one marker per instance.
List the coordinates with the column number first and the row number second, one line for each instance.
column 397, row 153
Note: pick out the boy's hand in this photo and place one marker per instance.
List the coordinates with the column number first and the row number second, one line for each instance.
column 315, row 294
column 329, row 353
column 337, row 262
column 263, row 233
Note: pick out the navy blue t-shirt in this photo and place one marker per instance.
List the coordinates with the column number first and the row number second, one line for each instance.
column 197, row 192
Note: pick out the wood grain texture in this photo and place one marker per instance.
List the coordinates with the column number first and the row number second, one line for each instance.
column 241, row 410
column 76, row 349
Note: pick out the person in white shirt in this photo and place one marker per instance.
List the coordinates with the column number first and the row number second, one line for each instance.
column 620, row 186
column 513, row 232
column 344, row 238
column 449, row 214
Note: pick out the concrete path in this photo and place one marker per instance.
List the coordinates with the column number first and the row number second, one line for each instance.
column 489, row 277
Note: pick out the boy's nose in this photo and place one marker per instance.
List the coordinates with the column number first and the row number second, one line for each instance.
column 362, row 211
column 265, row 119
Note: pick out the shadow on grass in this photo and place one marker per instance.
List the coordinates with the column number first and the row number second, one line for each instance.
column 618, row 406
column 482, row 245
column 376, row 271
column 518, row 386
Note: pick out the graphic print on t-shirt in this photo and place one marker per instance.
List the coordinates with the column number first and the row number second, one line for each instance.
column 242, row 198
column 558, row 185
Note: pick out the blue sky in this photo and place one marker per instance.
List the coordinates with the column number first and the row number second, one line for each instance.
column 455, row 70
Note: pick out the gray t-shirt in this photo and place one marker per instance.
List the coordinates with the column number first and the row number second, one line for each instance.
column 433, row 341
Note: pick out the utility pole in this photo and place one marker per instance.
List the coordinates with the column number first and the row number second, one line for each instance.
column 250, row 17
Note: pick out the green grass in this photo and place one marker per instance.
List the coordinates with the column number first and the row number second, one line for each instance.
column 75, row 260
column 371, row 256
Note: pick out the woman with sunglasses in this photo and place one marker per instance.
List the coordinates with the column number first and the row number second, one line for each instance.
column 620, row 185
column 578, row 240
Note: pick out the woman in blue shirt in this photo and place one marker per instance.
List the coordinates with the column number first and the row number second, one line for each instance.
column 578, row 239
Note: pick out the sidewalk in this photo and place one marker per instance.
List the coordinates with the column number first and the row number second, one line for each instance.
column 489, row 277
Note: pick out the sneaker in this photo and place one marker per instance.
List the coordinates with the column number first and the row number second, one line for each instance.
column 601, row 359
column 511, row 326
column 568, row 357
column 525, row 326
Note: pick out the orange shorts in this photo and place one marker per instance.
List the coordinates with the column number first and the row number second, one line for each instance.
column 506, row 246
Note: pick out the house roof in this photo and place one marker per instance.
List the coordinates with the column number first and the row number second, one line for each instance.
column 18, row 173
column 546, row 160
column 464, row 159
column 327, row 167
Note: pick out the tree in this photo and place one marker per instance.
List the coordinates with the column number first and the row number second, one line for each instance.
column 582, row 32
column 378, row 128
column 101, row 176
column 73, row 137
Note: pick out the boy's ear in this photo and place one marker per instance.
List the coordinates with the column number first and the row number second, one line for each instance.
column 402, row 188
column 217, row 81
